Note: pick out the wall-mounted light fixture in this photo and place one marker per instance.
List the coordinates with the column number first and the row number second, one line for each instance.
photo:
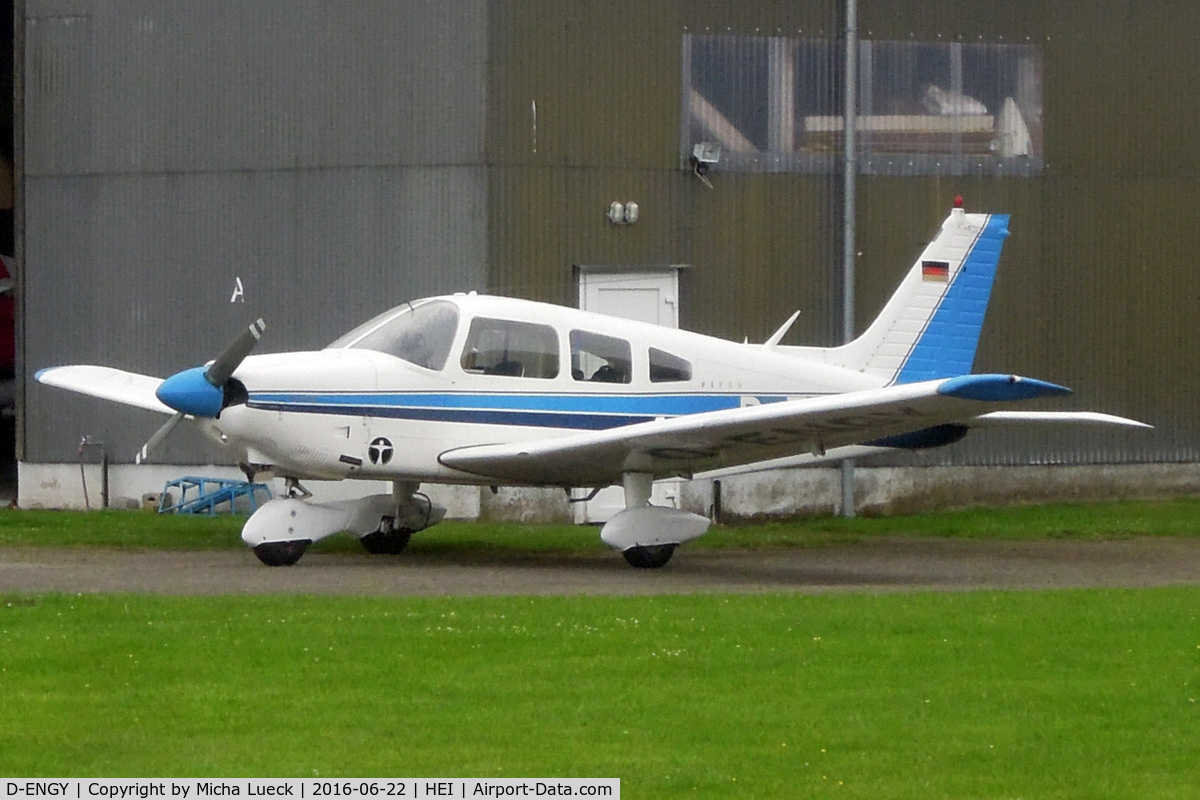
column 704, row 155
column 623, row 213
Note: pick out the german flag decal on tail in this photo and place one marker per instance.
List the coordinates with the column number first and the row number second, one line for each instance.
column 937, row 271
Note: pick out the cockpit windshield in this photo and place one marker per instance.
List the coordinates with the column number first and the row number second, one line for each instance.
column 420, row 334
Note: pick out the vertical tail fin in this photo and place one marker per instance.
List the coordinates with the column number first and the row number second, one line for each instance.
column 930, row 327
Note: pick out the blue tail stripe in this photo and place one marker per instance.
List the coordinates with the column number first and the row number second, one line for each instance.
column 947, row 345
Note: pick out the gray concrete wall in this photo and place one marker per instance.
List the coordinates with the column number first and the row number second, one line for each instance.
column 906, row 490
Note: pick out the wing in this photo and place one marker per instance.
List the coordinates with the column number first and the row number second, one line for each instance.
column 995, row 419
column 107, row 383
column 689, row 444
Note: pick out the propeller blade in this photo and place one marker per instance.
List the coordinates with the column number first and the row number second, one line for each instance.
column 158, row 437
column 220, row 370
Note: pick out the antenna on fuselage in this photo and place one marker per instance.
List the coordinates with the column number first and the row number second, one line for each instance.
column 777, row 337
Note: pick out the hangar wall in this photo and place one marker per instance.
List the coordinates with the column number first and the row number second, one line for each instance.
column 1097, row 286
column 338, row 157
column 327, row 155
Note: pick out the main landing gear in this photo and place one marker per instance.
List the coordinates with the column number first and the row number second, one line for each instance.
column 414, row 512
column 647, row 535
column 281, row 530
column 386, row 542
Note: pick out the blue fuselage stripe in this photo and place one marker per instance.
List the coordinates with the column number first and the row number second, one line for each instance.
column 581, row 412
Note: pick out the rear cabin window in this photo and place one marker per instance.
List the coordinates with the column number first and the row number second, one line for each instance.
column 600, row 359
column 420, row 334
column 511, row 349
column 666, row 368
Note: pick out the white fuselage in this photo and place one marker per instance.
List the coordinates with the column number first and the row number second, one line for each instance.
column 353, row 412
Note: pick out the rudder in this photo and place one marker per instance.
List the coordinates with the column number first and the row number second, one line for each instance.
column 947, row 344
column 930, row 326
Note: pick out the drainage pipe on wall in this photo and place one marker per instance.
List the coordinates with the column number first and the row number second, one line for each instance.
column 849, row 177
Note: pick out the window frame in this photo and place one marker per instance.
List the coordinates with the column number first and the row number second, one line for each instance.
column 546, row 361
column 785, row 95
column 622, row 350
column 686, row 373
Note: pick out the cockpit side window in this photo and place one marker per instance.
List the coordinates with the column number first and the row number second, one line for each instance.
column 510, row 348
column 599, row 358
column 666, row 368
column 420, row 334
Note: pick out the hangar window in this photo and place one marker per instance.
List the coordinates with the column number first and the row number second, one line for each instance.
column 600, row 358
column 510, row 348
column 420, row 333
column 775, row 104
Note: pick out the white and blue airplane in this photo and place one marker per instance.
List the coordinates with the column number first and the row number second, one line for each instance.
column 483, row 390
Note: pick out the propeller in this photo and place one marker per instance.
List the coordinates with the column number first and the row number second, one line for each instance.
column 202, row 391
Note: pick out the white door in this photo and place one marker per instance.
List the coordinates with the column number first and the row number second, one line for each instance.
column 646, row 296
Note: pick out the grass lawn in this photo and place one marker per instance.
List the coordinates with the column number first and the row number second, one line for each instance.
column 1174, row 517
column 1062, row 694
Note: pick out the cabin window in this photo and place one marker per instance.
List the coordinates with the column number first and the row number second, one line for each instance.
column 665, row 368
column 420, row 334
column 600, row 359
column 511, row 349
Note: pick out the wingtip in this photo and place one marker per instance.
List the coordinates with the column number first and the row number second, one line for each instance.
column 43, row 373
column 999, row 388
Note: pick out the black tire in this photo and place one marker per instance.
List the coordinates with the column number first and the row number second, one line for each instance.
column 281, row 554
column 651, row 556
column 386, row 544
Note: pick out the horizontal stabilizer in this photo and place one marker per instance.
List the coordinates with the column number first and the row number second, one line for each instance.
column 130, row 388
column 995, row 419
column 998, row 419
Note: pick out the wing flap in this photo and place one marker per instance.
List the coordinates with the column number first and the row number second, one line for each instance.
column 718, row 439
column 106, row 383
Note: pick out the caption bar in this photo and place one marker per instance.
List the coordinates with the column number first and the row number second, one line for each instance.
column 307, row 788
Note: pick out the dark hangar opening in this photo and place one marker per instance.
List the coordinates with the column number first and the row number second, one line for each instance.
column 8, row 417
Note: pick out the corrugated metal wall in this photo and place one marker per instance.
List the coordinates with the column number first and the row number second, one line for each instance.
column 338, row 155
column 1097, row 287
column 329, row 155
column 585, row 104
